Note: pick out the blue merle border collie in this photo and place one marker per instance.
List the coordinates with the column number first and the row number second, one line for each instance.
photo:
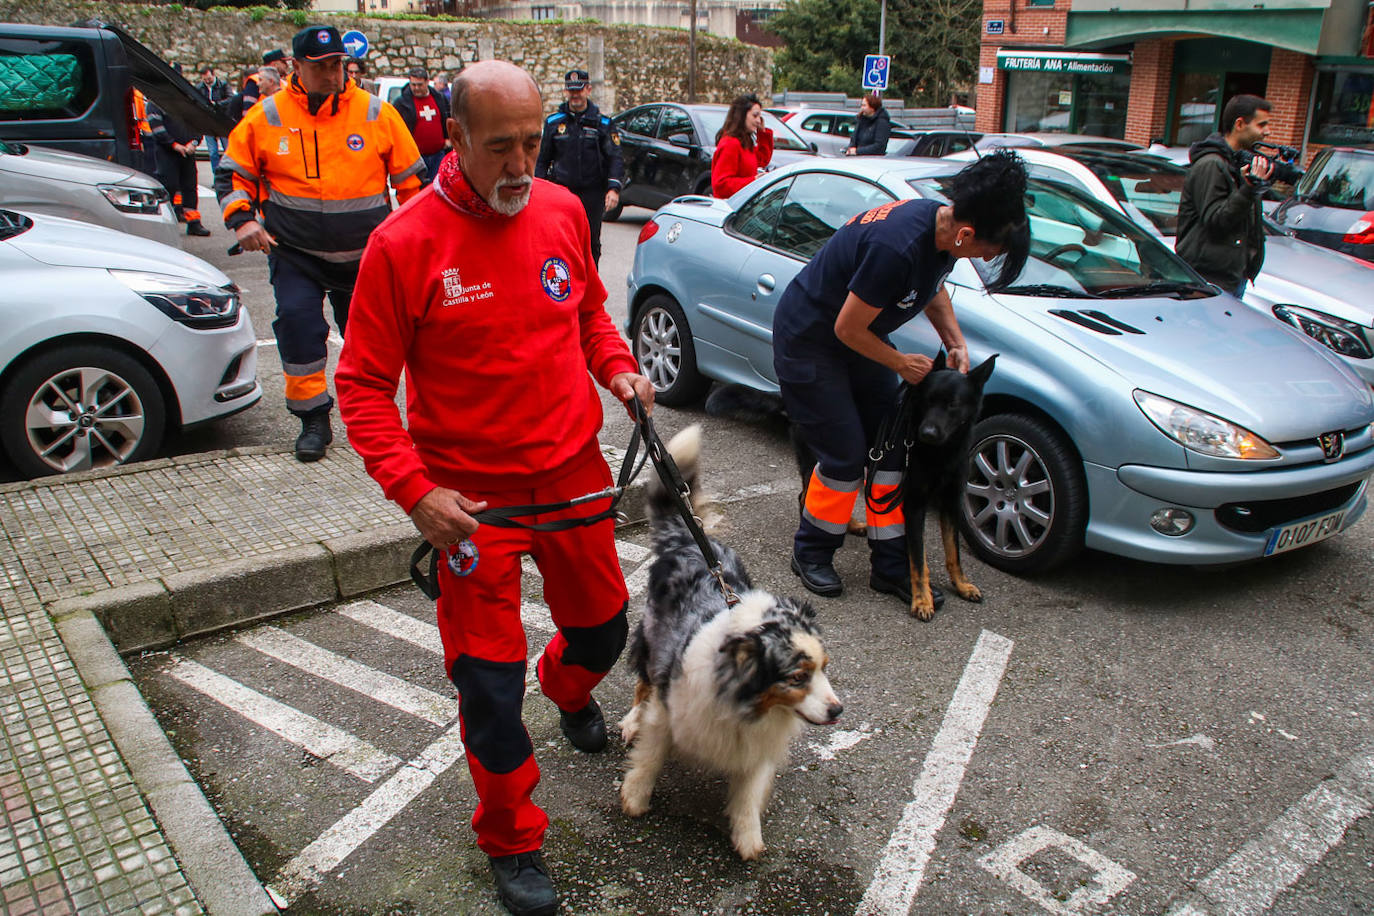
column 727, row 688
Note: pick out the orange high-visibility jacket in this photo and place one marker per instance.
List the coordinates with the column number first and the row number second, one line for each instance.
column 319, row 181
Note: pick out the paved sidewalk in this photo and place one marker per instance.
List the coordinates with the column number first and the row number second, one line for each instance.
column 99, row 814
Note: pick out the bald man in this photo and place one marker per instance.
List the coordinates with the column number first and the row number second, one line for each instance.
column 501, row 329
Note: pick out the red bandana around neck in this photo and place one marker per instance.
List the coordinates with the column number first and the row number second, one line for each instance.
column 454, row 188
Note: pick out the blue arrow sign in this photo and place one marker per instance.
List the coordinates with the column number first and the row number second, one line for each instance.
column 875, row 71
column 355, row 43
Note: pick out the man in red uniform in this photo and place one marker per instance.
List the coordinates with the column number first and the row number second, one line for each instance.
column 426, row 115
column 497, row 332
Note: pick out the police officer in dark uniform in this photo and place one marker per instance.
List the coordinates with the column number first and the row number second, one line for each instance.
column 581, row 151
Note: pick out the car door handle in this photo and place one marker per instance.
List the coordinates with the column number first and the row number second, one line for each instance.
column 766, row 283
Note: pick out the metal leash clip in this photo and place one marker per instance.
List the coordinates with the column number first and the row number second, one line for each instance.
column 463, row 558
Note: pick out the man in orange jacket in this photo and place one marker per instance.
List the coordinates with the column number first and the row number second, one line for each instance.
column 304, row 178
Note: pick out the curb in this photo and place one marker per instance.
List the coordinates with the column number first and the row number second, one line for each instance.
column 212, row 863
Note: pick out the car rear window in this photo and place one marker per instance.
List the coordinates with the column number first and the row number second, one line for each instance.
column 45, row 80
column 1343, row 178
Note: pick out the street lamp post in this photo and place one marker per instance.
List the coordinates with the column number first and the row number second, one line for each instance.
column 882, row 28
column 692, row 53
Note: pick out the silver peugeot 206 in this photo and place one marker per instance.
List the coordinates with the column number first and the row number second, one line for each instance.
column 1134, row 408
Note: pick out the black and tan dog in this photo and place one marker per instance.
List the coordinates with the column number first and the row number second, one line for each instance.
column 936, row 417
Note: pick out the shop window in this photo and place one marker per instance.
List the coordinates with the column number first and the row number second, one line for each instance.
column 543, row 12
column 1344, row 111
column 1068, row 103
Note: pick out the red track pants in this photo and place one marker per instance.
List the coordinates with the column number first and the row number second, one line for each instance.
column 485, row 650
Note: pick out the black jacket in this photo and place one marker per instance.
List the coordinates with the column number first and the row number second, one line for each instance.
column 580, row 151
column 405, row 104
column 167, row 130
column 871, row 133
column 1220, row 229
column 217, row 92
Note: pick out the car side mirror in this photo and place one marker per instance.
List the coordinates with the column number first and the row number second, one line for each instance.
column 682, row 140
column 815, row 148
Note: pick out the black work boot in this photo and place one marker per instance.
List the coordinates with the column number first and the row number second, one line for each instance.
column 522, row 882
column 194, row 227
column 586, row 728
column 820, row 578
column 316, row 434
column 902, row 589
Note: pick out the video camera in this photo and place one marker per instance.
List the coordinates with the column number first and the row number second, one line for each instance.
column 1284, row 159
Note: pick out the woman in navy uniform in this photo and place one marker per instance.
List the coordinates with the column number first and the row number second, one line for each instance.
column 839, row 371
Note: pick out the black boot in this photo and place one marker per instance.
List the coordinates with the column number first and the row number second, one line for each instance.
column 316, row 434
column 522, row 881
column 193, row 227
column 820, row 578
column 902, row 589
column 586, row 728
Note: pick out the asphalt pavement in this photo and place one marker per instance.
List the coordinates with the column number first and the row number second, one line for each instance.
column 1115, row 737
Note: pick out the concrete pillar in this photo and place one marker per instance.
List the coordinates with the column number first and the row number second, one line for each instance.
column 486, row 48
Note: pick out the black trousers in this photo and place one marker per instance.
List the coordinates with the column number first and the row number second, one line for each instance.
column 178, row 175
column 594, row 202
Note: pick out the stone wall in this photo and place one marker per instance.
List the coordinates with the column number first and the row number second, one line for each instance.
column 628, row 64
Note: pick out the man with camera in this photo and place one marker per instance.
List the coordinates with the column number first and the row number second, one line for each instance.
column 1220, row 231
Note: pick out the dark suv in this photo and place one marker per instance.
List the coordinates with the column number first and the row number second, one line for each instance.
column 72, row 88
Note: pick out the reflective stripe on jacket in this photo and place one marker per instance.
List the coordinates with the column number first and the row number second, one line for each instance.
column 320, row 181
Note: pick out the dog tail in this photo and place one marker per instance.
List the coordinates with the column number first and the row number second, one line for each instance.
column 685, row 449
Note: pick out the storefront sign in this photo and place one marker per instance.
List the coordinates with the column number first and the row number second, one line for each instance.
column 1063, row 62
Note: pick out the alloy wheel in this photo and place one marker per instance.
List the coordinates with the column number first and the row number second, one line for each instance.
column 84, row 417
column 658, row 348
column 1009, row 497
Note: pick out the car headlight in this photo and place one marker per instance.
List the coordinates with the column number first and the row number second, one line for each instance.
column 194, row 304
column 1200, row 431
column 133, row 200
column 1345, row 337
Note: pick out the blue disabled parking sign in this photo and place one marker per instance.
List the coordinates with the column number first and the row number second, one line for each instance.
column 875, row 71
column 355, row 43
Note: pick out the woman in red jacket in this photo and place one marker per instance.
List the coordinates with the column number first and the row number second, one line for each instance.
column 743, row 147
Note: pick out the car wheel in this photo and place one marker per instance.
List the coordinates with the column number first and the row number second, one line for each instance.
column 1025, row 504
column 80, row 407
column 666, row 355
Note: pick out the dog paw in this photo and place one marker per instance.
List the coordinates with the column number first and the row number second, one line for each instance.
column 969, row 592
column 749, row 846
column 629, row 726
column 632, row 803
column 922, row 610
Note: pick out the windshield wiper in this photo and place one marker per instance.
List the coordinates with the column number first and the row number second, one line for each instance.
column 1047, row 290
column 1157, row 288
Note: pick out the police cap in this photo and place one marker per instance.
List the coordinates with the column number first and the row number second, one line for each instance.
column 576, row 79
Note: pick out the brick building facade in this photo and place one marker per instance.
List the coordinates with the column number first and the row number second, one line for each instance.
column 1161, row 69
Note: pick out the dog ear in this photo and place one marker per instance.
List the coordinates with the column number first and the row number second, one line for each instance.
column 979, row 375
column 743, row 651
column 939, row 361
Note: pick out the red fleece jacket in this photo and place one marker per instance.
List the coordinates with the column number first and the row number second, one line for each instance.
column 496, row 321
column 734, row 166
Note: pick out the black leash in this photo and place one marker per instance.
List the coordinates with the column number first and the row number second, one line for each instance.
column 895, row 431
column 508, row 516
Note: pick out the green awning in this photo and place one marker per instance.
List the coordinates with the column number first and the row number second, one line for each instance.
column 1297, row 30
column 1070, row 62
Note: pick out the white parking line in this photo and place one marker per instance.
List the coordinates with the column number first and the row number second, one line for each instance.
column 304, row 872
column 1252, row 879
column 395, row 624
column 353, row 755
column 1108, row 880
column 377, row 685
column 903, row 863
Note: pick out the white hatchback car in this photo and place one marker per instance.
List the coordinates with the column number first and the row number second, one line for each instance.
column 107, row 340
column 35, row 179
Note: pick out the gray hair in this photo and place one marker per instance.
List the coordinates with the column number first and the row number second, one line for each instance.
column 269, row 71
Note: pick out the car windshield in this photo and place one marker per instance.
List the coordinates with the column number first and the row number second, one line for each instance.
column 1154, row 188
column 713, row 119
column 12, row 224
column 1083, row 249
column 1343, row 178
